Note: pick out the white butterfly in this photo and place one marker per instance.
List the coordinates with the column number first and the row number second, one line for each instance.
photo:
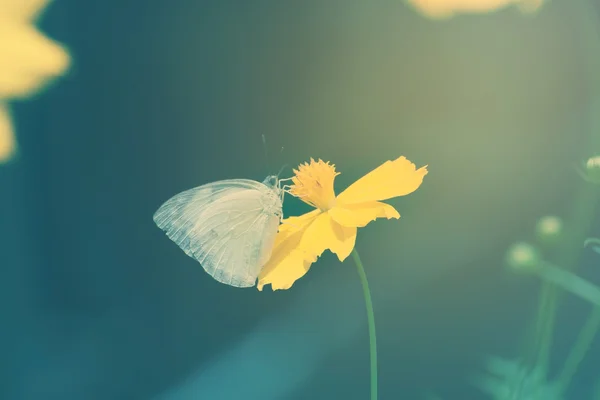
column 228, row 226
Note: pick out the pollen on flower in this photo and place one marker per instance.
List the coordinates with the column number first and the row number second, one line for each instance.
column 313, row 184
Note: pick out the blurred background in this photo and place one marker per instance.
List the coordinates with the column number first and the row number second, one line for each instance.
column 162, row 96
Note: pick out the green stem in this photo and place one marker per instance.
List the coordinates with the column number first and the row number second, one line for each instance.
column 581, row 219
column 570, row 282
column 371, row 321
column 584, row 341
column 545, row 322
column 585, row 200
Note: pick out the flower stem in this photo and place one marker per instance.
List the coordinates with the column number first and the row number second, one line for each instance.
column 545, row 328
column 578, row 352
column 569, row 282
column 585, row 200
column 371, row 321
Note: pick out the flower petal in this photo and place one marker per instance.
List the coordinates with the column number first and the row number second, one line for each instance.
column 299, row 243
column 28, row 59
column 24, row 10
column 7, row 136
column 359, row 215
column 438, row 9
column 391, row 179
column 288, row 262
column 287, row 269
column 324, row 233
column 292, row 225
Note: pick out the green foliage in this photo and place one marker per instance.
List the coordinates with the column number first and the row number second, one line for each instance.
column 511, row 380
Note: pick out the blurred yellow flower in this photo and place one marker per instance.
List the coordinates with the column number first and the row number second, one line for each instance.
column 334, row 222
column 439, row 9
column 28, row 60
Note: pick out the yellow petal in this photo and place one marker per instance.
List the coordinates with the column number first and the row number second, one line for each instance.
column 300, row 243
column 7, row 136
column 28, row 59
column 391, row 179
column 438, row 9
column 359, row 215
column 326, row 234
column 294, row 224
column 288, row 262
column 284, row 270
column 25, row 10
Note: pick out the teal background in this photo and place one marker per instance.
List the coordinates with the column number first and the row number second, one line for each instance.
column 163, row 96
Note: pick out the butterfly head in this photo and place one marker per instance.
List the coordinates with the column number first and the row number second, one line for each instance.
column 272, row 181
column 275, row 183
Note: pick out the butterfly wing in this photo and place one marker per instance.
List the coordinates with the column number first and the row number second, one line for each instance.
column 228, row 226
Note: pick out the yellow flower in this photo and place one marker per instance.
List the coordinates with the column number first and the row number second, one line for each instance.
column 439, row 9
column 334, row 222
column 28, row 60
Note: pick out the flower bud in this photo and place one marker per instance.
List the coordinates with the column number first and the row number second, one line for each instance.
column 592, row 169
column 548, row 229
column 522, row 257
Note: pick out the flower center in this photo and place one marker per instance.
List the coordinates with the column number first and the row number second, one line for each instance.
column 313, row 184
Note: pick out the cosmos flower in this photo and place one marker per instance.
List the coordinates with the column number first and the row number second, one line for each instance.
column 28, row 60
column 334, row 222
column 438, row 9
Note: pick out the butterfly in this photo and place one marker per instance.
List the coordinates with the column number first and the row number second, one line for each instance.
column 228, row 226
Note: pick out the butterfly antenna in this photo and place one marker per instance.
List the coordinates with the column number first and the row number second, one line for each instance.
column 264, row 141
column 281, row 170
